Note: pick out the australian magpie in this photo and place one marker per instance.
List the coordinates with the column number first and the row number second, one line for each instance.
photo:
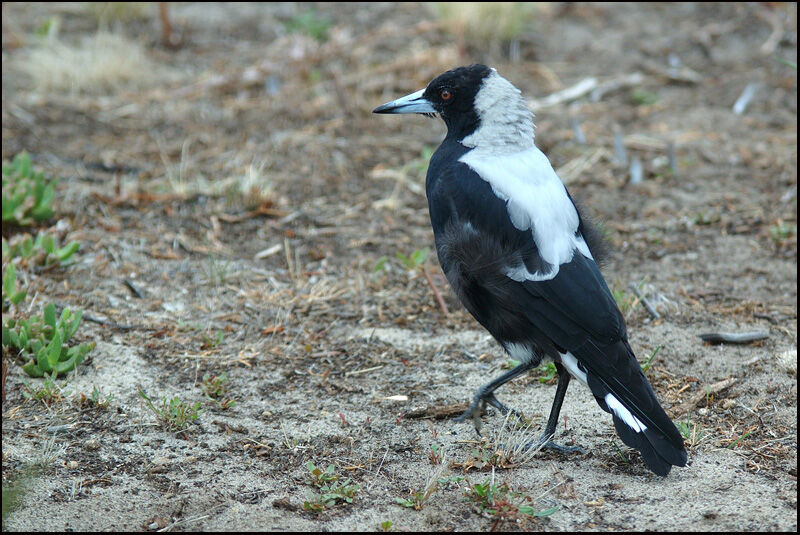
column 523, row 260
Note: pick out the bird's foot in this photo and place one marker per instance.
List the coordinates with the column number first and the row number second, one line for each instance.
column 546, row 443
column 550, row 445
column 473, row 412
column 478, row 407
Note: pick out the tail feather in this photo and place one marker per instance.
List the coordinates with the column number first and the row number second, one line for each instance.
column 638, row 417
column 658, row 453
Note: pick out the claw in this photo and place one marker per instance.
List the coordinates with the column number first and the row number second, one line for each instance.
column 474, row 412
column 478, row 407
column 546, row 443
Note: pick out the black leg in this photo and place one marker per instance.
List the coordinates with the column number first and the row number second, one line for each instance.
column 546, row 440
column 485, row 395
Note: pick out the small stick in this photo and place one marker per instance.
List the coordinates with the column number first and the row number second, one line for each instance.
column 744, row 99
column 673, row 158
column 734, row 338
column 365, row 370
column 650, row 308
column 375, row 476
column 438, row 413
column 166, row 27
column 580, row 138
column 620, row 154
column 565, row 95
column 269, row 251
column 436, row 293
column 635, row 78
column 636, row 171
column 698, row 397
column 133, row 288
column 101, row 321
column 768, row 47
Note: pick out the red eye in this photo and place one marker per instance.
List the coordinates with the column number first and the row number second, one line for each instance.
column 445, row 94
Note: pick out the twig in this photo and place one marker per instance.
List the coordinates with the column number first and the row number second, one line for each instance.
column 642, row 142
column 565, row 95
column 438, row 413
column 744, row 99
column 435, row 291
column 698, row 397
column 580, row 137
column 374, row 477
column 636, row 171
column 620, row 154
column 269, row 251
column 672, row 157
column 133, row 288
column 625, row 80
column 674, row 74
column 576, row 166
column 166, row 27
column 650, row 308
column 365, row 370
column 768, row 47
column 101, row 321
column 734, row 338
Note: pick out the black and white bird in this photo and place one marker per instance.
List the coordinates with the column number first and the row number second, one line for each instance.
column 523, row 260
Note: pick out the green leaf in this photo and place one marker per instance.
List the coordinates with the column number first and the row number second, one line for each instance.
column 72, row 327
column 405, row 260
column 68, row 250
column 10, row 337
column 380, row 265
column 404, row 502
column 22, row 164
column 546, row 512
column 42, row 361
column 32, row 369
column 47, row 242
column 50, row 315
column 44, row 207
column 53, row 351
column 10, row 279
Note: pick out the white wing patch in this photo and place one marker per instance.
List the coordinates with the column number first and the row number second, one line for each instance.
column 569, row 361
column 624, row 414
column 535, row 199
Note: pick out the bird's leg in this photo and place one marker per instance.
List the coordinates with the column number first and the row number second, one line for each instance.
column 546, row 440
column 485, row 394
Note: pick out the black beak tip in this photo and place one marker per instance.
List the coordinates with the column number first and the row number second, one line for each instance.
column 383, row 108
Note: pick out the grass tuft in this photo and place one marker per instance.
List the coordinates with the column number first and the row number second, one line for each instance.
column 101, row 64
column 486, row 23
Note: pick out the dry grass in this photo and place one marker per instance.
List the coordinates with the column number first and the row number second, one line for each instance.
column 110, row 12
column 482, row 23
column 787, row 361
column 515, row 441
column 100, row 64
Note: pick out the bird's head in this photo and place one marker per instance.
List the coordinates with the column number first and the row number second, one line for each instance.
column 480, row 108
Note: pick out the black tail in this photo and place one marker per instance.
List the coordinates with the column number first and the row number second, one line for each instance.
column 638, row 417
column 658, row 452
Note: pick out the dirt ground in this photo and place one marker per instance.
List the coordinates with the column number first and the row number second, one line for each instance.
column 241, row 211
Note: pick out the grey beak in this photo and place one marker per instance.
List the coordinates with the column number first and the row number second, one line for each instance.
column 413, row 103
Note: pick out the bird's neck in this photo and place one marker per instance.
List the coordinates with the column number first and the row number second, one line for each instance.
column 505, row 121
column 502, row 136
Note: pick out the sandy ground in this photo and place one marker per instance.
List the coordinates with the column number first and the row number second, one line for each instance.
column 240, row 182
